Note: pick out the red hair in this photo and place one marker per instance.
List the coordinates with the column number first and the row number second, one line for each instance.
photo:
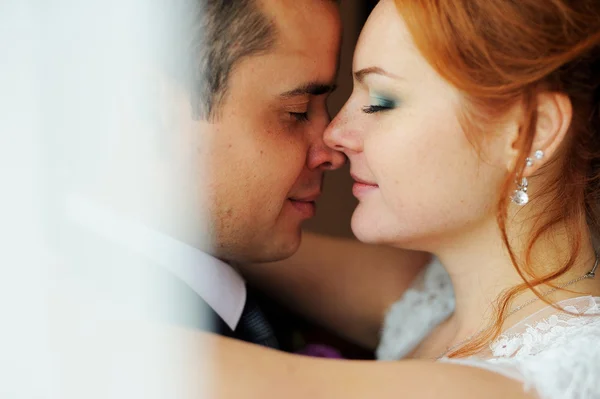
column 499, row 53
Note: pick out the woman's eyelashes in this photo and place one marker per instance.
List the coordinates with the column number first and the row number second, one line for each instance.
column 379, row 104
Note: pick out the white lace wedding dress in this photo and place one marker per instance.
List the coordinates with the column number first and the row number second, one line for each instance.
column 551, row 352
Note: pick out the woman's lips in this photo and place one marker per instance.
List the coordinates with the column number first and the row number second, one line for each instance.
column 362, row 187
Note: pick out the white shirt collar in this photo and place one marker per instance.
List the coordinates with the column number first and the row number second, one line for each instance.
column 216, row 282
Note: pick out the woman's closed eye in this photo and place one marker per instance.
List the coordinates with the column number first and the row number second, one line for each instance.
column 379, row 104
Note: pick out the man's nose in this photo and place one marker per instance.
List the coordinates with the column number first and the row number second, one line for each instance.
column 324, row 158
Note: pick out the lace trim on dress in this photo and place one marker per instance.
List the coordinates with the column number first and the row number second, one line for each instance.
column 425, row 305
column 545, row 327
column 552, row 352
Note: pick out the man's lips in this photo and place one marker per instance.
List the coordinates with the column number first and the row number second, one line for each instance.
column 306, row 198
column 305, row 204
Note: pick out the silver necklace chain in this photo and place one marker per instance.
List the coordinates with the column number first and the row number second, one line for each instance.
column 590, row 274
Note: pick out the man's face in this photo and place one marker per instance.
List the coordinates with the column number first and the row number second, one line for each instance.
column 267, row 153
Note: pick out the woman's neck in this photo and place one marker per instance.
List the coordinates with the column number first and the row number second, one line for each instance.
column 481, row 270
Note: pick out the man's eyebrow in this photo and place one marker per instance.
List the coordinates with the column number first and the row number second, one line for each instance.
column 360, row 75
column 313, row 89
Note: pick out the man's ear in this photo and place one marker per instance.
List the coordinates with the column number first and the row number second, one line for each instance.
column 554, row 115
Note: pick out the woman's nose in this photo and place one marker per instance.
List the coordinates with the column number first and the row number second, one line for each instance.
column 340, row 136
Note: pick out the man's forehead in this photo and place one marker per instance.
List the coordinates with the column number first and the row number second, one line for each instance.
column 285, row 75
column 283, row 8
column 301, row 62
column 306, row 23
column 308, row 37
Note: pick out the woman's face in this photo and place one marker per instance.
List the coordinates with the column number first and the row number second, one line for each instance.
column 423, row 180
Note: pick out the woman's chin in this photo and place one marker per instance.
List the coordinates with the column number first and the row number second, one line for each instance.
column 366, row 230
column 372, row 230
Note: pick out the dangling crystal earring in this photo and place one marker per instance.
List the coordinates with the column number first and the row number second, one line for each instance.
column 539, row 154
column 520, row 196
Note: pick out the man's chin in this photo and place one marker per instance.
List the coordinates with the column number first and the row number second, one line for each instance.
column 279, row 243
column 279, row 247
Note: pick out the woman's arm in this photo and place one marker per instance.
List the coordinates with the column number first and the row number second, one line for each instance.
column 264, row 373
column 342, row 284
column 87, row 355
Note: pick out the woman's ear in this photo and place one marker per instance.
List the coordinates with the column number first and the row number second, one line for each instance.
column 554, row 115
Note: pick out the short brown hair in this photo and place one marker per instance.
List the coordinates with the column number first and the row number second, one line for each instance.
column 218, row 34
column 226, row 32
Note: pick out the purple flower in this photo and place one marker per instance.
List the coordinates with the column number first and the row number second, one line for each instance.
column 320, row 350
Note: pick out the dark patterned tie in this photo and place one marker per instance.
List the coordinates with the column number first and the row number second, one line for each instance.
column 254, row 327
